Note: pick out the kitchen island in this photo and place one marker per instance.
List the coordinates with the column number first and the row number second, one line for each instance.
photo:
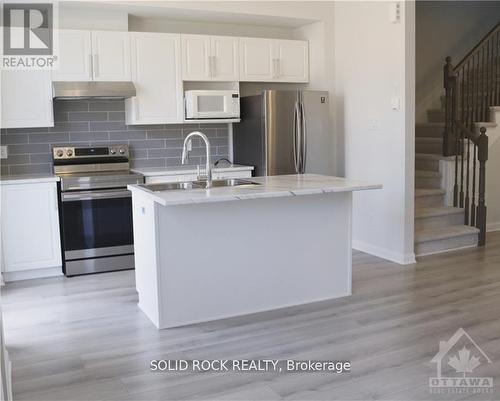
column 207, row 254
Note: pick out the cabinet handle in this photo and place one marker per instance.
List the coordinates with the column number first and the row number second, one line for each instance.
column 214, row 67
column 91, row 66
column 96, row 65
column 278, row 68
column 275, row 68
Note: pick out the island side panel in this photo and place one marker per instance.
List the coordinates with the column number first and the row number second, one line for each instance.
column 145, row 255
column 226, row 259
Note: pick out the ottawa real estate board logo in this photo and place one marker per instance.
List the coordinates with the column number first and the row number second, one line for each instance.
column 462, row 367
column 28, row 35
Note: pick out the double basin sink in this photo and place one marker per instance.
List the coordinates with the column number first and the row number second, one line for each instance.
column 172, row 186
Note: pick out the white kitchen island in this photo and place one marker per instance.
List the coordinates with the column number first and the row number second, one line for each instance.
column 203, row 255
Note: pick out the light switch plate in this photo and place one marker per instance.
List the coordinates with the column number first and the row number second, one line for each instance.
column 3, row 152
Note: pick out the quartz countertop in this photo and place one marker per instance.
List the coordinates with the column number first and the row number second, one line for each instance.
column 190, row 169
column 28, row 178
column 272, row 186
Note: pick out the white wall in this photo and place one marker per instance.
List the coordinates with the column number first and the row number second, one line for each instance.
column 370, row 56
column 446, row 28
column 72, row 17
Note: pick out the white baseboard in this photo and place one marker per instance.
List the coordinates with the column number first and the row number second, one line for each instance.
column 492, row 227
column 399, row 258
column 31, row 274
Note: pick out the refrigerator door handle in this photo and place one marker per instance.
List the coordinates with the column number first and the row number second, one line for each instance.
column 303, row 139
column 296, row 137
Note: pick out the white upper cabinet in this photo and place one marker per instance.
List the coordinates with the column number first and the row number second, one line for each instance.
column 111, row 56
column 196, row 58
column 274, row 60
column 26, row 99
column 209, row 58
column 75, row 56
column 257, row 61
column 30, row 226
column 156, row 73
column 292, row 60
column 93, row 56
column 225, row 58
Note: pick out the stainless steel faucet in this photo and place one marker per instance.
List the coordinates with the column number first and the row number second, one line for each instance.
column 185, row 152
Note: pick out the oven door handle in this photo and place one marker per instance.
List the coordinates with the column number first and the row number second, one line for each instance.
column 91, row 195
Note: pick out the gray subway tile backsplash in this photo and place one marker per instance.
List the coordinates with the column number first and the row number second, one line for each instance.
column 102, row 122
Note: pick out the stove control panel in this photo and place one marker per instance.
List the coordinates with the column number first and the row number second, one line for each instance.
column 65, row 152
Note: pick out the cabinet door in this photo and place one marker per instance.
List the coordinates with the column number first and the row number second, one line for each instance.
column 157, row 78
column 30, row 226
column 75, row 53
column 26, row 99
column 111, row 56
column 224, row 58
column 293, row 60
column 196, row 59
column 257, row 60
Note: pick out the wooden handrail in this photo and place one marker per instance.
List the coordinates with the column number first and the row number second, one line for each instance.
column 490, row 33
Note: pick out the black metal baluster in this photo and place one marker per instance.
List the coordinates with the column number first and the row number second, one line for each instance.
column 473, row 206
column 476, row 94
column 483, row 84
column 468, row 124
column 460, row 77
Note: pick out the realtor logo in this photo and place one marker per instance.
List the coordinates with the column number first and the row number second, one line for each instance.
column 459, row 357
column 29, row 41
column 27, row 28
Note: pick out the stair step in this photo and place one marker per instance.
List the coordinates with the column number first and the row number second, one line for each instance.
column 436, row 217
column 429, row 197
column 429, row 145
column 427, row 179
column 432, row 130
column 443, row 239
column 427, row 174
column 435, row 115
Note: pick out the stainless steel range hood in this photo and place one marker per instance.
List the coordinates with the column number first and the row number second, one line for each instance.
column 90, row 90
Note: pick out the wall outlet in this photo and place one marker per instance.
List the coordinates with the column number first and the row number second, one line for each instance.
column 3, row 152
column 374, row 124
column 395, row 12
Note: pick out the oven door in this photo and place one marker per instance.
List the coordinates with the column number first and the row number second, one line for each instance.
column 97, row 223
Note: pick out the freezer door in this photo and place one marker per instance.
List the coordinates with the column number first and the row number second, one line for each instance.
column 279, row 109
column 318, row 142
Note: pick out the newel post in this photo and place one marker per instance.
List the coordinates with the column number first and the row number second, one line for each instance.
column 482, row 156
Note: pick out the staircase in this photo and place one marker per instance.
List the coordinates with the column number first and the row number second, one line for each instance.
column 456, row 133
column 438, row 228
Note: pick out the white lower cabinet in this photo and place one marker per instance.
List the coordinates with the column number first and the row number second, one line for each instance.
column 156, row 73
column 31, row 244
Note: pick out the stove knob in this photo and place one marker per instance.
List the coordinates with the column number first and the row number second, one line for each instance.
column 122, row 151
column 69, row 152
column 59, row 153
column 112, row 151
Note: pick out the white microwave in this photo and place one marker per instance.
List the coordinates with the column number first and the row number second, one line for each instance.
column 206, row 104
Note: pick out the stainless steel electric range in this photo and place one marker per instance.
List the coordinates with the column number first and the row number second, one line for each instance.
column 95, row 208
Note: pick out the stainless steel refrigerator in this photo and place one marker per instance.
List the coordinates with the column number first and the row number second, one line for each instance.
column 284, row 132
